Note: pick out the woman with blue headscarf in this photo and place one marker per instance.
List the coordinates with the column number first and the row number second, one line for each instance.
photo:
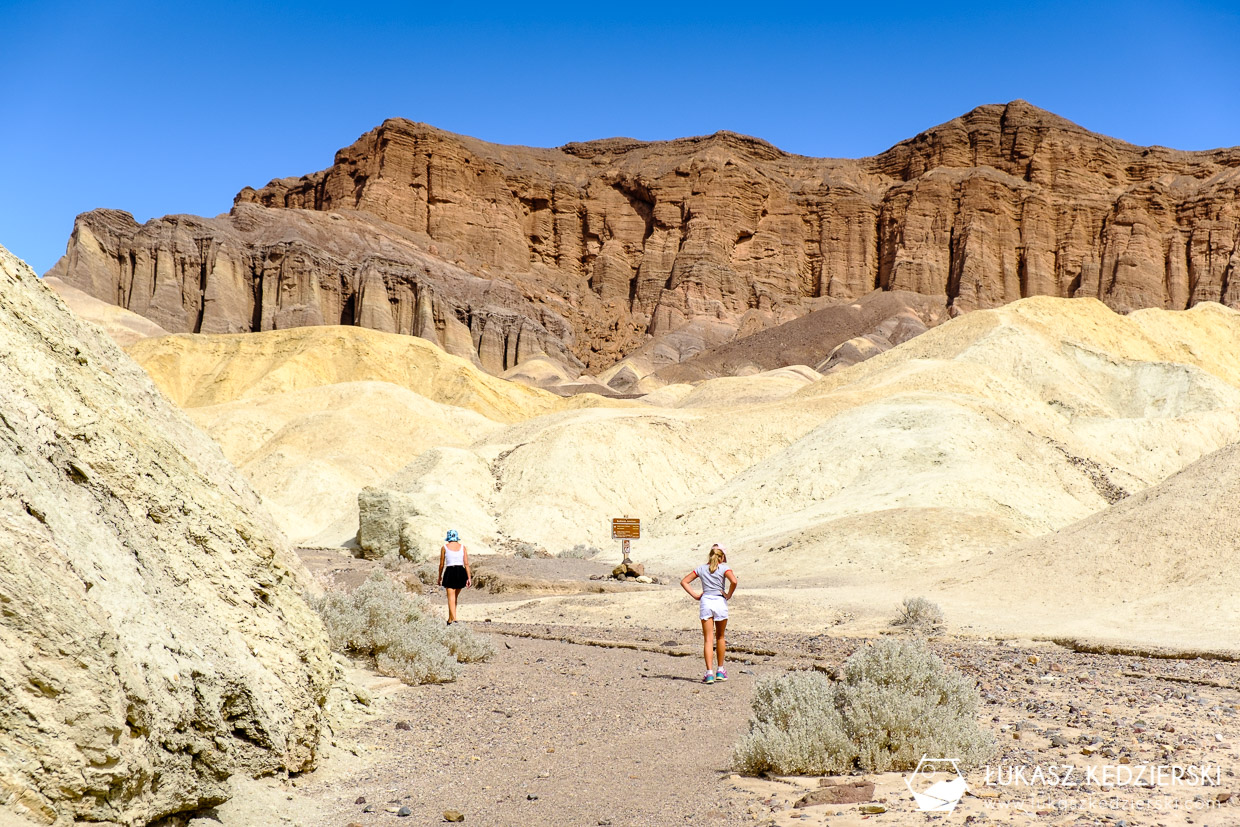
column 454, row 573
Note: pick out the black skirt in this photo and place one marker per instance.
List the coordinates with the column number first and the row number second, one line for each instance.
column 454, row 577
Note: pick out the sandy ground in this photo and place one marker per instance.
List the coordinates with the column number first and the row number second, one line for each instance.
column 608, row 724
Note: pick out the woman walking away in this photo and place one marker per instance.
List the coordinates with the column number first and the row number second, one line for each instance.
column 454, row 573
column 713, row 602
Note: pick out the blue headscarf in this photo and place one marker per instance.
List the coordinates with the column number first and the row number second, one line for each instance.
column 453, row 537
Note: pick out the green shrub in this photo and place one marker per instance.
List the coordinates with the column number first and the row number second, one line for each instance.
column 895, row 702
column 381, row 620
column 920, row 616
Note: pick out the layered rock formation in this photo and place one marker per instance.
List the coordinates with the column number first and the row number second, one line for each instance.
column 257, row 269
column 153, row 638
column 588, row 247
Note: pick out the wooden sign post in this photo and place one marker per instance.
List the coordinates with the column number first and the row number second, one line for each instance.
column 626, row 529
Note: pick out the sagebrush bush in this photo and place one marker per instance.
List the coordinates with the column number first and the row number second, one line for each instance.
column 796, row 729
column 895, row 702
column 919, row 615
column 900, row 701
column 520, row 548
column 467, row 647
column 380, row 619
column 579, row 552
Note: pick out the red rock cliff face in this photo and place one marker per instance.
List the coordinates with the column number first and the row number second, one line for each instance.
column 609, row 240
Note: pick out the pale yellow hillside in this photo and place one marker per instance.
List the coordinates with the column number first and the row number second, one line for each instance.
column 196, row 370
column 1153, row 563
column 309, row 452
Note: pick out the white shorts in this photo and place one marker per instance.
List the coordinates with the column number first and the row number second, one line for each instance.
column 714, row 607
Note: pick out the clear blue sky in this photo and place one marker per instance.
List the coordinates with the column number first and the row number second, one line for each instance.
column 173, row 107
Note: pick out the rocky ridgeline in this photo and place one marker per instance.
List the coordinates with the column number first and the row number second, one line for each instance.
column 579, row 252
column 153, row 637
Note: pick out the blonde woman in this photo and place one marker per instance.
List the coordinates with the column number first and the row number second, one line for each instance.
column 454, row 573
column 718, row 584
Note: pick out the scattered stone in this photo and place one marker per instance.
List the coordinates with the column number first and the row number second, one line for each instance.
column 404, row 726
column 404, row 812
column 837, row 791
column 453, row 815
column 369, row 808
column 361, row 799
column 531, row 797
column 872, row 809
column 628, row 571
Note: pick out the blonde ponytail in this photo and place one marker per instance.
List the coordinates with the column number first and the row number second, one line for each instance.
column 715, row 558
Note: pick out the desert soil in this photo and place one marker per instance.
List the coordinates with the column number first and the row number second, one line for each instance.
column 585, row 725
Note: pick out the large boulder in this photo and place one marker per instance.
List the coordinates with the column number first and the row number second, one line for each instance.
column 153, row 636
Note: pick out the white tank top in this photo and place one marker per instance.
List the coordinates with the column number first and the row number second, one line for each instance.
column 453, row 558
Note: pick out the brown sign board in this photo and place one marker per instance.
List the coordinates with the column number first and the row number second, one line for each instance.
column 626, row 528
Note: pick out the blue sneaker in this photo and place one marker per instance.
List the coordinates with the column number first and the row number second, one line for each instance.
column 709, row 678
column 721, row 675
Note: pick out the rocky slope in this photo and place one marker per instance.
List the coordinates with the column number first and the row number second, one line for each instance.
column 581, row 251
column 153, row 637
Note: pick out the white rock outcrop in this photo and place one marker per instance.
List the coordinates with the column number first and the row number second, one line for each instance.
column 153, row 637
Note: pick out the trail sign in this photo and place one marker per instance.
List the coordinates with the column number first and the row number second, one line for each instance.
column 626, row 528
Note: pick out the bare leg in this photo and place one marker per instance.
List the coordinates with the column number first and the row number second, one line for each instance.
column 452, row 593
column 708, row 643
column 720, row 625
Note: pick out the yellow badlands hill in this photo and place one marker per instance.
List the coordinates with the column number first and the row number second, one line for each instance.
column 197, row 370
column 314, row 414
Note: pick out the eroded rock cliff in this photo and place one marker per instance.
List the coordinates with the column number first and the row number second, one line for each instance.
column 153, row 639
column 587, row 248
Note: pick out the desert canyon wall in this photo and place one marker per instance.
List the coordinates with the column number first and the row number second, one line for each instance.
column 153, row 636
column 503, row 254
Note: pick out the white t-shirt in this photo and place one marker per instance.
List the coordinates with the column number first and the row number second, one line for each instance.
column 712, row 583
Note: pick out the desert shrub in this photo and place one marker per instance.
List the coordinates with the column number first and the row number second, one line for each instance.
column 579, row 552
column 467, row 647
column 919, row 615
column 796, row 728
column 381, row 620
column 390, row 561
column 895, row 702
column 899, row 701
column 521, row 548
